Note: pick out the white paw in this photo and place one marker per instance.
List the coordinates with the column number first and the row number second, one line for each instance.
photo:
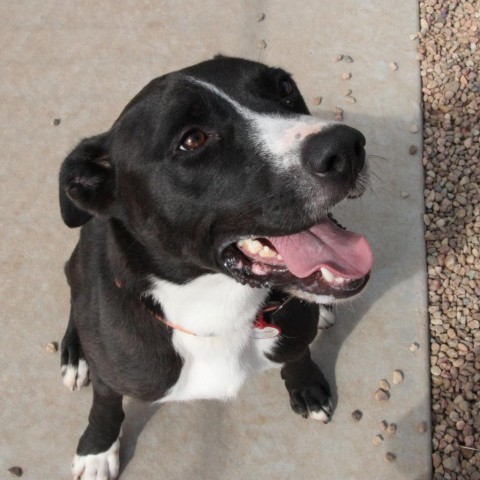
column 327, row 317
column 324, row 414
column 75, row 377
column 102, row 466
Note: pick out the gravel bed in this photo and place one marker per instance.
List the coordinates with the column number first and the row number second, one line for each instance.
column 449, row 53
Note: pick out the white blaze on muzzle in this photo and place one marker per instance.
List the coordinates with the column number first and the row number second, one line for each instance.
column 279, row 138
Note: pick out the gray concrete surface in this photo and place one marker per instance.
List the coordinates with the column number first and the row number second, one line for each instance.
column 81, row 62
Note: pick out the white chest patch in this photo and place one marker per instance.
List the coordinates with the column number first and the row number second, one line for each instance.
column 215, row 366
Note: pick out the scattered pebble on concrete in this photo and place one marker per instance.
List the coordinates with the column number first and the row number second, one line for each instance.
column 357, row 415
column 317, row 100
column 346, row 76
column 377, row 440
column 392, row 428
column 390, row 457
column 56, row 122
column 404, row 195
column 383, row 425
column 347, row 92
column 382, row 395
column 449, row 54
column 15, row 471
column 338, row 114
column 413, row 128
column 384, row 385
column 397, row 377
column 52, row 347
column 415, row 346
column 422, row 427
column 393, row 66
column 350, row 99
column 348, row 59
column 260, row 17
column 412, row 150
column 338, row 58
column 262, row 44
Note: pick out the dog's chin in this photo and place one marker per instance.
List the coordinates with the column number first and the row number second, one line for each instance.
column 321, row 273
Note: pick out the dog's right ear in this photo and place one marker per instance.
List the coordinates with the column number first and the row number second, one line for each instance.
column 87, row 182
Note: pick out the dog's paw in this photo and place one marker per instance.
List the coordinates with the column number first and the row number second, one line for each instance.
column 76, row 376
column 327, row 317
column 101, row 466
column 312, row 402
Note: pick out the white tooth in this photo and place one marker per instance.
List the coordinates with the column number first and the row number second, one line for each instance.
column 327, row 275
column 253, row 246
column 241, row 243
column 339, row 281
column 266, row 252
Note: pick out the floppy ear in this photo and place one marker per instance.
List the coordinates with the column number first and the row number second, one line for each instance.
column 87, row 185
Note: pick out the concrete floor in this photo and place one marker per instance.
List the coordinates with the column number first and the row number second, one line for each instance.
column 81, row 62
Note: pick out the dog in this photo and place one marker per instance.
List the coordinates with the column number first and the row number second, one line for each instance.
column 207, row 246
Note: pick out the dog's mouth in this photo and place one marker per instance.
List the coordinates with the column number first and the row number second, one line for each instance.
column 325, row 259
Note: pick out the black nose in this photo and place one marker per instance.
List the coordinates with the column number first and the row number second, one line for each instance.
column 335, row 151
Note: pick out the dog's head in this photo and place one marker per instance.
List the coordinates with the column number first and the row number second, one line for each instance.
column 220, row 168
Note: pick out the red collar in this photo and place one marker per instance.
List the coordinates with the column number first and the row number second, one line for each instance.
column 261, row 329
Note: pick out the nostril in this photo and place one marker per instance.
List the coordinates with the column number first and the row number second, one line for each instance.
column 359, row 148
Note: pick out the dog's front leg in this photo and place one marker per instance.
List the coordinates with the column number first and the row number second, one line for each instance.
column 309, row 391
column 97, row 456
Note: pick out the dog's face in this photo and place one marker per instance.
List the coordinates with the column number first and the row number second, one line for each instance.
column 219, row 167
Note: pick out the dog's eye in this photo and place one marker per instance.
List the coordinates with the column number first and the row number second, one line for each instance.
column 285, row 87
column 192, row 140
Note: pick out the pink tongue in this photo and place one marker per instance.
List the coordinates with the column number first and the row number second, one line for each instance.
column 344, row 253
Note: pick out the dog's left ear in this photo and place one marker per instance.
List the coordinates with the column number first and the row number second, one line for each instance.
column 87, row 182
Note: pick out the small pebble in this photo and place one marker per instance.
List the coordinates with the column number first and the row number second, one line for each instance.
column 397, row 377
column 348, row 59
column 377, row 440
column 404, row 194
column 382, row 395
column 390, row 457
column 52, row 347
column 422, row 427
column 260, row 17
column 346, row 76
column 347, row 92
column 56, row 122
column 392, row 428
column 383, row 425
column 317, row 100
column 338, row 58
column 357, row 415
column 413, row 129
column 384, row 385
column 393, row 66
column 350, row 99
column 262, row 44
column 338, row 114
column 414, row 347
column 412, row 150
column 16, row 471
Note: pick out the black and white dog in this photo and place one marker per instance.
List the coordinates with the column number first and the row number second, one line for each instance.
column 206, row 247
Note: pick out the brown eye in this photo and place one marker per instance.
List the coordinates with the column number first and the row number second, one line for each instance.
column 192, row 140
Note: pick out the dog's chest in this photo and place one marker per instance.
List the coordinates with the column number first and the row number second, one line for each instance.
column 215, row 366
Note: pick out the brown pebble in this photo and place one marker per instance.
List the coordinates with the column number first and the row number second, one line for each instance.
column 414, row 347
column 346, row 76
column 317, row 100
column 262, row 44
column 413, row 129
column 338, row 58
column 383, row 425
column 56, row 122
column 377, row 440
column 348, row 59
column 422, row 427
column 384, row 385
column 350, row 99
column 338, row 114
column 347, row 92
column 412, row 150
column 52, row 347
column 393, row 66
column 397, row 377
column 357, row 415
column 392, row 428
column 260, row 17
column 16, row 471
column 381, row 395
column 390, row 457
column 404, row 194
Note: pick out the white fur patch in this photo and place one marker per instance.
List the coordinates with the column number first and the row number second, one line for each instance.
column 327, row 317
column 279, row 137
column 75, row 376
column 102, row 466
column 214, row 366
column 319, row 416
